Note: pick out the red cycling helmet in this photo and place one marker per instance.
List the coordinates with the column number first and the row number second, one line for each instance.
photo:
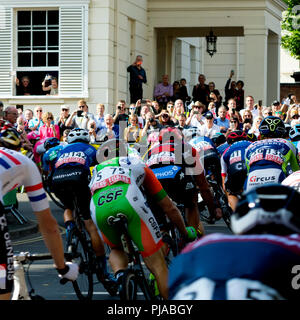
column 170, row 134
column 235, row 136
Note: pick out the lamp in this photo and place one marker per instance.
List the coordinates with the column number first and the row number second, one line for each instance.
column 211, row 43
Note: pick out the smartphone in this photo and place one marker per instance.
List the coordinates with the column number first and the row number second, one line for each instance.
column 232, row 71
column 260, row 103
column 79, row 113
column 92, row 126
column 196, row 112
column 143, row 101
column 233, row 109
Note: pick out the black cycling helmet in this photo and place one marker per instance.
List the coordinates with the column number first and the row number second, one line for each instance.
column 50, row 143
column 251, row 137
column 218, row 139
column 111, row 149
column 10, row 138
column 235, row 136
column 271, row 209
column 272, row 127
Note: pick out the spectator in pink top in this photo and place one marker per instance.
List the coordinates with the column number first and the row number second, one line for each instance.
column 49, row 129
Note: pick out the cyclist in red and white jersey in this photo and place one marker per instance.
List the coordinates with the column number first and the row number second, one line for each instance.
column 17, row 170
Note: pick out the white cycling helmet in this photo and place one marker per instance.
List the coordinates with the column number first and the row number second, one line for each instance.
column 78, row 135
column 270, row 209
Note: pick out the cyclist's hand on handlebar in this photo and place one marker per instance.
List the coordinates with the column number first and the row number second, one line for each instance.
column 70, row 272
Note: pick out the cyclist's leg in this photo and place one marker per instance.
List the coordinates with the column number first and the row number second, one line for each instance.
column 232, row 201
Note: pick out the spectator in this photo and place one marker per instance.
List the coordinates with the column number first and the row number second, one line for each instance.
column 216, row 97
column 144, row 110
column 110, row 131
column 20, row 111
column 132, row 132
column 151, row 129
column 24, row 87
column 178, row 109
column 65, row 136
column 163, row 91
column 52, row 89
column 1, row 113
column 255, row 126
column 239, row 95
column 176, row 91
column 28, row 115
column 137, row 78
column 276, row 106
column 182, row 122
column 212, row 108
column 121, row 114
column 196, row 118
column 234, row 124
column 230, row 92
column 165, row 119
column 247, row 115
column 250, row 106
column 62, row 119
column 36, row 122
column 170, row 108
column 221, row 120
column 280, row 115
column 292, row 113
column 155, row 107
column 49, row 129
column 80, row 117
column 209, row 129
column 201, row 91
column 99, row 118
column 184, row 96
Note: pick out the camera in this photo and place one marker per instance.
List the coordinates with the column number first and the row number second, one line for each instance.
column 143, row 101
column 233, row 109
column 260, row 103
column 79, row 113
column 92, row 126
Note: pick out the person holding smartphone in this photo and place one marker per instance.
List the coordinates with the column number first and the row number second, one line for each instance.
column 80, row 117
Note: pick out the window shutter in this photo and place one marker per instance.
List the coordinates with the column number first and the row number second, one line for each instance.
column 5, row 51
column 72, row 51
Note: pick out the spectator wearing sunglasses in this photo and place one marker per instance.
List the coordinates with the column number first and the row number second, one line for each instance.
column 292, row 114
column 36, row 122
column 63, row 117
column 80, row 117
column 209, row 129
column 49, row 129
column 234, row 124
column 196, row 118
column 165, row 119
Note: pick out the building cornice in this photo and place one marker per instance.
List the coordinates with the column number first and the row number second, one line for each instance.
column 42, row 3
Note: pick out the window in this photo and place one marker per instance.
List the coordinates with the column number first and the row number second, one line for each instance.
column 37, row 48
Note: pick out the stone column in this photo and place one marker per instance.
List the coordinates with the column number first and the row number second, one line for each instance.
column 273, row 78
column 256, row 54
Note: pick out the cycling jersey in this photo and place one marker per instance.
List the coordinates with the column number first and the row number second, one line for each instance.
column 16, row 170
column 269, row 161
column 228, row 267
column 115, row 187
column 233, row 166
column 75, row 154
column 223, row 147
column 297, row 146
column 50, row 157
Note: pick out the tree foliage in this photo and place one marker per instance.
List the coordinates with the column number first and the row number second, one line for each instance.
column 291, row 27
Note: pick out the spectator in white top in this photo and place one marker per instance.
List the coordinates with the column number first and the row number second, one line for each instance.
column 80, row 117
column 196, row 118
column 209, row 129
column 255, row 126
column 250, row 106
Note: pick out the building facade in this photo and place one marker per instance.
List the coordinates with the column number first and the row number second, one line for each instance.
column 88, row 44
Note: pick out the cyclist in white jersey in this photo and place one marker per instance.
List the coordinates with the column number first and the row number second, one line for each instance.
column 17, row 170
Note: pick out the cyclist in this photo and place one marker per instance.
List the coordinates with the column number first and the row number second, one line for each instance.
column 16, row 170
column 177, row 165
column 255, row 263
column 70, row 178
column 117, row 187
column 271, row 159
column 234, row 170
column 295, row 138
column 293, row 180
column 218, row 139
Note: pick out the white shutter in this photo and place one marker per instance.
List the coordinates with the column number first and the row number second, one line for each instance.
column 5, row 51
column 72, row 51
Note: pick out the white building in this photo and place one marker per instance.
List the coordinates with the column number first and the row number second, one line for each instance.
column 88, row 44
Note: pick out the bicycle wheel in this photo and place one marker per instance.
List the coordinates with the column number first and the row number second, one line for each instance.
column 79, row 250
column 128, row 290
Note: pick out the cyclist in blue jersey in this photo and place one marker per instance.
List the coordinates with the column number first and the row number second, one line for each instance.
column 294, row 135
column 70, row 178
column 219, row 140
column 234, row 170
column 271, row 159
column 259, row 262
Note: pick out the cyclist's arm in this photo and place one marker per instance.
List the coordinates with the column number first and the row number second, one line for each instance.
column 49, row 229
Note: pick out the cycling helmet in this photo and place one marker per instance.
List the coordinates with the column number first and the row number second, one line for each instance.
column 170, row 134
column 235, row 136
column 272, row 127
column 295, row 133
column 251, row 137
column 218, row 139
column 111, row 149
column 50, row 143
column 10, row 138
column 288, row 128
column 271, row 209
column 78, row 135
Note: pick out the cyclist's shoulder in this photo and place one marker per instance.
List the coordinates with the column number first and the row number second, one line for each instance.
column 15, row 157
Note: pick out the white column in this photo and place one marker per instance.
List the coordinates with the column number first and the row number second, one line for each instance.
column 256, row 54
column 273, row 84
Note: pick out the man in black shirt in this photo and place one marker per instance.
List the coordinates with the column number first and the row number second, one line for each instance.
column 201, row 91
column 137, row 78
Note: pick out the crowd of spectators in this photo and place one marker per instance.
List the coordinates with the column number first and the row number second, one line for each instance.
column 140, row 122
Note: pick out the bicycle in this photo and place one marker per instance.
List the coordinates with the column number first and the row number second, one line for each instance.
column 79, row 250
column 134, row 276
column 46, row 185
column 20, row 291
